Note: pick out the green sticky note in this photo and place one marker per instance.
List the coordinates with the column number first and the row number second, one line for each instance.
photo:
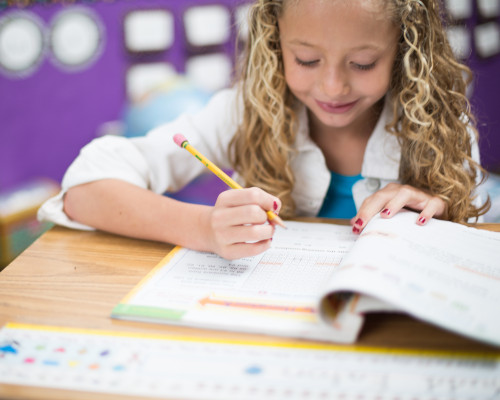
column 126, row 310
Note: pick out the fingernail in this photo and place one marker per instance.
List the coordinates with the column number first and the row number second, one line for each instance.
column 386, row 211
column 355, row 230
column 275, row 206
column 359, row 222
column 422, row 220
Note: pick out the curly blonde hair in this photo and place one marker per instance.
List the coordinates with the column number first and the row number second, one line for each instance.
column 263, row 145
column 431, row 113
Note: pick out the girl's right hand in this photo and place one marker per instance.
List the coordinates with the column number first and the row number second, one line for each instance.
column 238, row 225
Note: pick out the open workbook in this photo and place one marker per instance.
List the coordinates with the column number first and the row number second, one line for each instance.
column 318, row 280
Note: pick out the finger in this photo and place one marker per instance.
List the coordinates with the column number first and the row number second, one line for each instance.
column 246, row 234
column 241, row 215
column 370, row 207
column 406, row 196
column 240, row 250
column 434, row 207
column 239, row 197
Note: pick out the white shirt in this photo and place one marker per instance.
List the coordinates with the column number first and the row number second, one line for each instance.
column 155, row 162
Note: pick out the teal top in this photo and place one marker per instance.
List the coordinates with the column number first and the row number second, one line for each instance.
column 339, row 202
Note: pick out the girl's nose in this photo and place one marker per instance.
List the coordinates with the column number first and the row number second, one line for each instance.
column 335, row 82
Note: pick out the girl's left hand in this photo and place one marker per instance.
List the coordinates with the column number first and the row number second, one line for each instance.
column 392, row 198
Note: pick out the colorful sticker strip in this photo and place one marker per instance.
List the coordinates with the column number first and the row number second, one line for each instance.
column 156, row 366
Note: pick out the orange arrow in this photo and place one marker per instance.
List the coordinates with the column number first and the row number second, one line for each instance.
column 227, row 303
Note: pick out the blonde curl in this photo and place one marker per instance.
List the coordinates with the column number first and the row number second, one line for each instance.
column 432, row 115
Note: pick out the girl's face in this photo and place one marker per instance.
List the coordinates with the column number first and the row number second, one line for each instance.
column 338, row 56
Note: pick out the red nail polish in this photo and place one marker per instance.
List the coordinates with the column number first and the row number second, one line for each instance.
column 386, row 211
column 422, row 220
column 356, row 230
column 275, row 206
column 359, row 222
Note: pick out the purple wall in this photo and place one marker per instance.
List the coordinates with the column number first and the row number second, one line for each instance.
column 48, row 116
column 485, row 102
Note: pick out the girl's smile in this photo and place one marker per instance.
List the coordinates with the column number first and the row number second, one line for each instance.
column 336, row 108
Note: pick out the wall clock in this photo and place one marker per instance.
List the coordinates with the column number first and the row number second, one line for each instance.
column 76, row 38
column 22, row 43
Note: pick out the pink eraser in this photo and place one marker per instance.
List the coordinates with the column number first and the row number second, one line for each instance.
column 179, row 139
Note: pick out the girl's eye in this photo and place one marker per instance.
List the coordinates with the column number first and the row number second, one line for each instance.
column 364, row 67
column 306, row 63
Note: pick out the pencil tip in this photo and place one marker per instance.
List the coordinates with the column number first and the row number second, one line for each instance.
column 278, row 221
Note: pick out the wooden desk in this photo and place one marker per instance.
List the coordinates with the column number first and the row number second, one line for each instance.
column 75, row 278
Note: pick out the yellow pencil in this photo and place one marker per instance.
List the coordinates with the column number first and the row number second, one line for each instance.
column 183, row 143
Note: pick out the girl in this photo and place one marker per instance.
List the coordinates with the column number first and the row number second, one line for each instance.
column 344, row 109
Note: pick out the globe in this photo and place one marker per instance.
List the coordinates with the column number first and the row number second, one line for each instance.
column 163, row 105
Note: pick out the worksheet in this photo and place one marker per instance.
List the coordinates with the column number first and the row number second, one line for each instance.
column 275, row 292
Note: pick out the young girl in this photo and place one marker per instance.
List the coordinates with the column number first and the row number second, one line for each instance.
column 344, row 109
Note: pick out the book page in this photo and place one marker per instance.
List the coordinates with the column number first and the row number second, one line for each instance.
column 443, row 272
column 275, row 292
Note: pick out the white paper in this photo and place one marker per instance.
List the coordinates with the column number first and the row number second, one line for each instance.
column 444, row 273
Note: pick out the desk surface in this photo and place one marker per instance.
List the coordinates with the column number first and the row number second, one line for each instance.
column 74, row 278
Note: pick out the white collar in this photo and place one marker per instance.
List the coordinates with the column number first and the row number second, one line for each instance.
column 383, row 152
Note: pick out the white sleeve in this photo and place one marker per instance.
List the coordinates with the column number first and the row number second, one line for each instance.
column 153, row 161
